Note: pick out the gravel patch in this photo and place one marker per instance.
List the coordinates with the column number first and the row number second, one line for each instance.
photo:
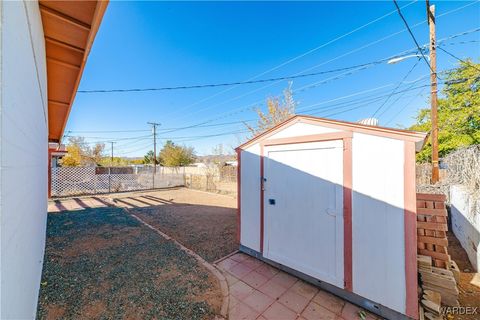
column 209, row 230
column 103, row 264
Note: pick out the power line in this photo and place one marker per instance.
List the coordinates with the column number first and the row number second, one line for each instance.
column 352, row 70
column 412, row 35
column 368, row 99
column 439, row 43
column 136, row 150
column 299, row 56
column 106, row 139
column 131, row 143
column 461, row 60
column 396, row 100
column 404, row 107
column 358, row 49
column 204, row 136
column 251, row 106
column 110, row 131
column 395, row 89
column 464, row 33
column 212, row 85
column 356, row 105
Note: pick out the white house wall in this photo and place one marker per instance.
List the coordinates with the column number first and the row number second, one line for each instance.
column 378, row 220
column 23, row 158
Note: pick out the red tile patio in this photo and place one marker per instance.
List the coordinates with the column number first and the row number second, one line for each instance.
column 261, row 292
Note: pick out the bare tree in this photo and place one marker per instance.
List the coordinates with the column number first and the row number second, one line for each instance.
column 277, row 112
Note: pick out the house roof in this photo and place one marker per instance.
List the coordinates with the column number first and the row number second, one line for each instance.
column 417, row 137
column 69, row 29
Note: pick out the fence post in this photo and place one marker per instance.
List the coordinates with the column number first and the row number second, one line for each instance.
column 153, row 175
column 184, row 178
column 109, row 180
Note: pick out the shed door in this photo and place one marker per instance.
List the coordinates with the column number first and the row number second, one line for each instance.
column 303, row 208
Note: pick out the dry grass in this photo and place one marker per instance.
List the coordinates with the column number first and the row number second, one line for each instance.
column 463, row 168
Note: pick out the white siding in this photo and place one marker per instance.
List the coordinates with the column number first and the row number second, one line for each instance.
column 250, row 197
column 250, row 182
column 23, row 153
column 301, row 129
column 378, row 220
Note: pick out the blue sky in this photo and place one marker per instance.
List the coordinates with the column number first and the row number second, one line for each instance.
column 157, row 44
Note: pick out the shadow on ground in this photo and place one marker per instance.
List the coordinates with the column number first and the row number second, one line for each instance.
column 210, row 231
column 102, row 263
column 203, row 222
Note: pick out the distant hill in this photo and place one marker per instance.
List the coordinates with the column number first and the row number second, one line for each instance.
column 216, row 158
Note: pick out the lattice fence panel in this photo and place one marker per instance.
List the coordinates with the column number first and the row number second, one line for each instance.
column 73, row 181
column 70, row 181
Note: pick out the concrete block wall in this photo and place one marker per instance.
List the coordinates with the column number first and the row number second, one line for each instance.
column 465, row 214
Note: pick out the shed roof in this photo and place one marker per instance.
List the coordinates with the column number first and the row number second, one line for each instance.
column 69, row 29
column 417, row 137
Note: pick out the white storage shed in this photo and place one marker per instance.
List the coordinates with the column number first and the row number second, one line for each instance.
column 334, row 203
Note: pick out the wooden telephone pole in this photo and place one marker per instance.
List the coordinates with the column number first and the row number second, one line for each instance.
column 111, row 157
column 110, row 168
column 433, row 81
column 154, row 126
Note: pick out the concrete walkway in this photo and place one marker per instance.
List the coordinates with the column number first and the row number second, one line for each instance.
column 259, row 291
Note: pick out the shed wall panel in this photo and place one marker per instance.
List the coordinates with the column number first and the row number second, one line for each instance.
column 250, row 198
column 301, row 129
column 378, row 220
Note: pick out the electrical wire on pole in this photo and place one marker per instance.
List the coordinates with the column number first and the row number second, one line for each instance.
column 412, row 35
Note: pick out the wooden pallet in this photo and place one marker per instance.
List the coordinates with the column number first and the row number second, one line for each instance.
column 439, row 286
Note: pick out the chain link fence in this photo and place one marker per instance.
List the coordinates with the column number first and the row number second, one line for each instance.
column 213, row 179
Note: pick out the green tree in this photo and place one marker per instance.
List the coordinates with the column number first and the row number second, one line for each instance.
column 458, row 112
column 173, row 155
column 148, row 158
column 277, row 112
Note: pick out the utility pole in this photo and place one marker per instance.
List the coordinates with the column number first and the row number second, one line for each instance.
column 433, row 94
column 110, row 169
column 154, row 128
column 111, row 158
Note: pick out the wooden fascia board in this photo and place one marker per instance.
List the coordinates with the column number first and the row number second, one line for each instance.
column 97, row 19
column 339, row 125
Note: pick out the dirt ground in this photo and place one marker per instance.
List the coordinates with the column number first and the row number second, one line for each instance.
column 203, row 222
column 469, row 293
column 100, row 263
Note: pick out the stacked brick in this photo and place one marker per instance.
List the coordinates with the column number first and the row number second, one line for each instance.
column 437, row 271
column 432, row 227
